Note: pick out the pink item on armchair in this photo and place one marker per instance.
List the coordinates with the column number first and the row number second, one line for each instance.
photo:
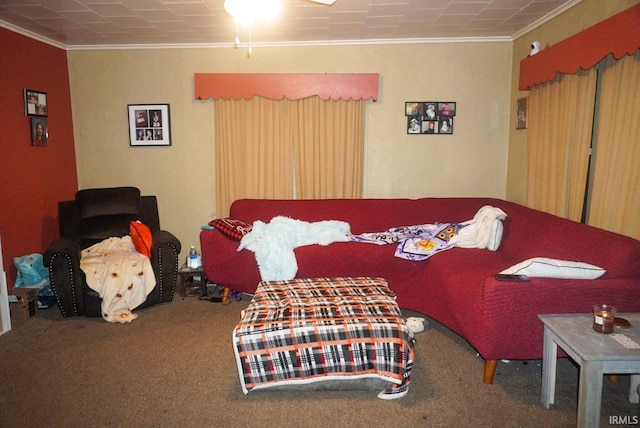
column 455, row 287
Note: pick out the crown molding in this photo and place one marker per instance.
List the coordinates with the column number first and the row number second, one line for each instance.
column 32, row 35
column 293, row 44
column 545, row 19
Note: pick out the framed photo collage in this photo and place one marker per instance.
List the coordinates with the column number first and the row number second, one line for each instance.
column 430, row 117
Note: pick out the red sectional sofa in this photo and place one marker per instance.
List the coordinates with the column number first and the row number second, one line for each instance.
column 456, row 287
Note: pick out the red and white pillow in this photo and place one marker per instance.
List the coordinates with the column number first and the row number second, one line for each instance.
column 233, row 228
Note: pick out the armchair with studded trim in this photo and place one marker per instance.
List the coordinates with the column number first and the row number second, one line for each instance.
column 94, row 216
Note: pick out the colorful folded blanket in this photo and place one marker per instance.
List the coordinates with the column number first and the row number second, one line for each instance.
column 422, row 241
column 414, row 242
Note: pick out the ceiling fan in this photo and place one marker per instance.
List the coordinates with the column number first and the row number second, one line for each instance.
column 246, row 12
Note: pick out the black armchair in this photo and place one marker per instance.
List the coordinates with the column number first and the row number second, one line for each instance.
column 95, row 215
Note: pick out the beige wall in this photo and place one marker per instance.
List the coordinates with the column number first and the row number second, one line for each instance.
column 580, row 17
column 471, row 162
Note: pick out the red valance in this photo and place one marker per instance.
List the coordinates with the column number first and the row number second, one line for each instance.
column 618, row 35
column 293, row 86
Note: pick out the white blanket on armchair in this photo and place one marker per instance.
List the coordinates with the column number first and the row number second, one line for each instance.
column 274, row 242
column 120, row 275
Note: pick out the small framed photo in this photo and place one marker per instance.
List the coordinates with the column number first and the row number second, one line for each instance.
column 149, row 125
column 447, row 108
column 431, row 110
column 429, row 126
column 413, row 108
column 445, row 125
column 414, row 125
column 35, row 103
column 522, row 114
column 39, row 131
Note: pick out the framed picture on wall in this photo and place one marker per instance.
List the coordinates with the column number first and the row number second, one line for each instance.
column 430, row 117
column 413, row 108
column 35, row 103
column 39, row 131
column 522, row 113
column 447, row 108
column 149, row 125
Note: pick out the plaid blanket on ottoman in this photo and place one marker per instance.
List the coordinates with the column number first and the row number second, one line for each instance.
column 323, row 329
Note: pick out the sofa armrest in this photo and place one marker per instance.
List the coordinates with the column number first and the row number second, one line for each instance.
column 224, row 264
column 165, row 250
column 217, row 247
column 68, row 282
column 65, row 246
column 510, row 328
column 163, row 237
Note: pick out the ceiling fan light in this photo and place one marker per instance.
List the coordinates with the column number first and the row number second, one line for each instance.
column 248, row 11
column 270, row 8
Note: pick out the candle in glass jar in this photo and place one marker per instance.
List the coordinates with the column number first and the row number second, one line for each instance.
column 603, row 318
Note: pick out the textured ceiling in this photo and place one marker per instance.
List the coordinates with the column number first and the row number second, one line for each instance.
column 92, row 23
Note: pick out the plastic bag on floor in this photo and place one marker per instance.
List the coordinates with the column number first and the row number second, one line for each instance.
column 32, row 273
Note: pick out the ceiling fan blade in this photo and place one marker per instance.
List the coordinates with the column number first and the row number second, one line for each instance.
column 324, row 2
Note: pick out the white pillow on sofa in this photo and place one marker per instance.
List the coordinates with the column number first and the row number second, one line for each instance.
column 552, row 268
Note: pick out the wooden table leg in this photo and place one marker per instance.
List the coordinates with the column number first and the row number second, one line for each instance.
column 549, row 361
column 590, row 394
column 634, row 389
column 489, row 371
column 183, row 282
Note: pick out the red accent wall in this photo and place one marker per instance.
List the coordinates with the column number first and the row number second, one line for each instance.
column 32, row 179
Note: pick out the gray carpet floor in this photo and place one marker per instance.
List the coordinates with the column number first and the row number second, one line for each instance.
column 174, row 367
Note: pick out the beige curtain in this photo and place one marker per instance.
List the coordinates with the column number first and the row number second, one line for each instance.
column 253, row 150
column 255, row 143
column 615, row 200
column 329, row 147
column 559, row 139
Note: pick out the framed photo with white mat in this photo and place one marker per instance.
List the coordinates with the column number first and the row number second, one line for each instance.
column 149, row 125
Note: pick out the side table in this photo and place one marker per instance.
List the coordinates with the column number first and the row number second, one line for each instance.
column 193, row 279
column 596, row 354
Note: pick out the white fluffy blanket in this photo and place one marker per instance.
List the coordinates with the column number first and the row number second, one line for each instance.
column 273, row 243
column 122, row 277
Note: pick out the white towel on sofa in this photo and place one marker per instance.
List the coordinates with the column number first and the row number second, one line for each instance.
column 273, row 243
column 483, row 231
